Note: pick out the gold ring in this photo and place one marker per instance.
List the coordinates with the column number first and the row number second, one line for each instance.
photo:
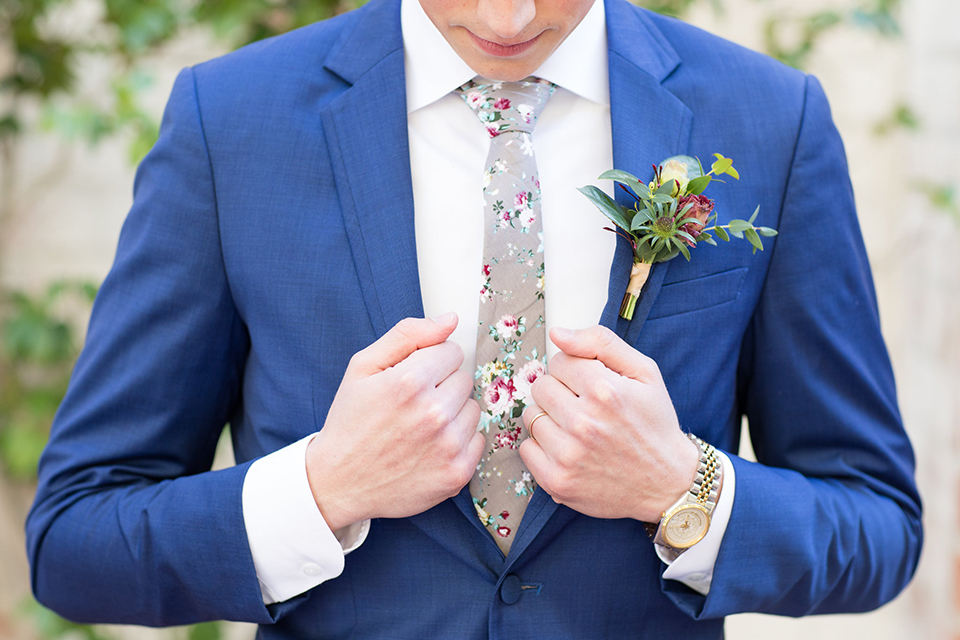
column 532, row 422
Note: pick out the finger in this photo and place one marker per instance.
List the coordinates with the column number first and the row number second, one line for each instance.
column 604, row 345
column 555, row 398
column 545, row 431
column 432, row 365
column 536, row 460
column 401, row 340
column 577, row 374
column 472, row 454
column 456, row 394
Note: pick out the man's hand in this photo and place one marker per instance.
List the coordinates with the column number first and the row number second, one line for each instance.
column 401, row 435
column 610, row 445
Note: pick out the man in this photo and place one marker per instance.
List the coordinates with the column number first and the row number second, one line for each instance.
column 309, row 193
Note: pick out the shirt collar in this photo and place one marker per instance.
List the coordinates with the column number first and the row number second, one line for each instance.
column 433, row 69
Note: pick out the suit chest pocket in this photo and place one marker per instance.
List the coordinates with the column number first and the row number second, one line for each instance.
column 698, row 294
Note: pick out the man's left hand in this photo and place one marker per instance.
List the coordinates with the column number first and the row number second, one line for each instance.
column 610, row 445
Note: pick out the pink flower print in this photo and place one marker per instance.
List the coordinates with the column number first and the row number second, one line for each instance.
column 520, row 200
column 492, row 130
column 527, row 218
column 526, row 112
column 503, row 531
column 486, row 271
column 501, row 103
column 508, row 324
column 536, row 181
column 506, row 440
column 486, row 293
column 474, row 98
column 504, row 514
column 526, row 377
column 499, row 395
column 505, row 217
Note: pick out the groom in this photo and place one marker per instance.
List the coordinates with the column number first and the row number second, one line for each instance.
column 314, row 197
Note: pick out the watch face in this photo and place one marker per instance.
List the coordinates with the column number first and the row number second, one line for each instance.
column 686, row 526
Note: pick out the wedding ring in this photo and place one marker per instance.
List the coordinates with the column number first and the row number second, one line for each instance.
column 533, row 422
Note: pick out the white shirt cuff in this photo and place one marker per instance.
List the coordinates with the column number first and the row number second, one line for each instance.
column 694, row 567
column 293, row 549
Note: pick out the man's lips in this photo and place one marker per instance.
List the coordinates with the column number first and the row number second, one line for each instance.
column 503, row 50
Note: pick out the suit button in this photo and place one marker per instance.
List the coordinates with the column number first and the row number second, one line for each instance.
column 510, row 589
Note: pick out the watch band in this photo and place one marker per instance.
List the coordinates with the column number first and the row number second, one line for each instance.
column 687, row 521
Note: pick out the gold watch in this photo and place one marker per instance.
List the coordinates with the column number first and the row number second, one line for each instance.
column 688, row 520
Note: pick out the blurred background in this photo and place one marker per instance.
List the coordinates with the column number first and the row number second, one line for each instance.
column 82, row 88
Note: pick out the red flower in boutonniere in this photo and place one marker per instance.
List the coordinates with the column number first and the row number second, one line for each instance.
column 669, row 216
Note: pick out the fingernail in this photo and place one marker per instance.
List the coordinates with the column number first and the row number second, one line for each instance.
column 444, row 318
column 563, row 334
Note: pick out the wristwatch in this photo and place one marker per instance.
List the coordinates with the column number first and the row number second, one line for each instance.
column 688, row 520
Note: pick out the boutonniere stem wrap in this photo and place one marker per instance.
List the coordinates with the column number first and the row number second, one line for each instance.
column 669, row 216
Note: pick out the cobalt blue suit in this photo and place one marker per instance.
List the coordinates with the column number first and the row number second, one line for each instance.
column 272, row 237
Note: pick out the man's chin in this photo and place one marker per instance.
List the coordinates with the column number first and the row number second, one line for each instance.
column 505, row 71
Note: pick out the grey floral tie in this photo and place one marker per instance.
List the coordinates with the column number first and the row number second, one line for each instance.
column 511, row 338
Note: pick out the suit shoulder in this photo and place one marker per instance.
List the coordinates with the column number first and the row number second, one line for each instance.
column 727, row 68
column 291, row 56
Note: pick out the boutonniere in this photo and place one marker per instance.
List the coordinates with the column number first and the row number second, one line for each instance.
column 670, row 216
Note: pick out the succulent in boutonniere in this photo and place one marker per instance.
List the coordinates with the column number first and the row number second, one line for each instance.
column 670, row 216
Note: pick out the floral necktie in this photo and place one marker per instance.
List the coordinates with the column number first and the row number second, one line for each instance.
column 511, row 338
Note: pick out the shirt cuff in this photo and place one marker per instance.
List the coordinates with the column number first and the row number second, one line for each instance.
column 293, row 549
column 694, row 567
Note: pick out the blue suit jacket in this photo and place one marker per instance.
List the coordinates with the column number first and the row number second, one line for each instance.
column 272, row 237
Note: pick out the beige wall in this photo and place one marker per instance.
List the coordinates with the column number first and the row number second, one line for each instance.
column 71, row 201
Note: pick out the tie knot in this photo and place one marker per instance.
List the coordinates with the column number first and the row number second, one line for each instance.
column 507, row 106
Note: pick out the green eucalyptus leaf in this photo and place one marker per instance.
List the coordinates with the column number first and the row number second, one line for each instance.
column 722, row 165
column 754, row 216
column 736, row 234
column 739, row 226
column 754, row 239
column 722, row 234
column 708, row 239
column 698, row 185
column 766, row 231
column 607, row 206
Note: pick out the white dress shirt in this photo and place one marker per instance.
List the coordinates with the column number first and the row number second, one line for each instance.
column 293, row 549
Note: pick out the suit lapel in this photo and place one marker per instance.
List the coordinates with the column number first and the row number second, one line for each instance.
column 649, row 124
column 366, row 131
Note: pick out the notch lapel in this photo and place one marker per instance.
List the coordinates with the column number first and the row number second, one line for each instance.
column 649, row 124
column 366, row 131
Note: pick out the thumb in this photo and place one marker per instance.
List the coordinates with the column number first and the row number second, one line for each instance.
column 600, row 343
column 401, row 340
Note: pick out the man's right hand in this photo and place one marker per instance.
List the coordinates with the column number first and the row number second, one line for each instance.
column 401, row 435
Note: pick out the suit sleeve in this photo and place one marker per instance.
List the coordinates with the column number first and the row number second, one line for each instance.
column 829, row 521
column 129, row 525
